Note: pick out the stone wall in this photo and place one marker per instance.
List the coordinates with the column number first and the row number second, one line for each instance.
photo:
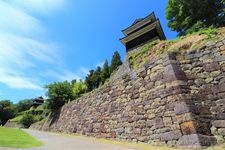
column 177, row 99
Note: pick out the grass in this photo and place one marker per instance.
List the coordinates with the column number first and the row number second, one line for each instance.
column 16, row 138
column 17, row 118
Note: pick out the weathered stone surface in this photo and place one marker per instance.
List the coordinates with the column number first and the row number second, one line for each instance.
column 181, row 108
column 172, row 135
column 137, row 131
column 172, row 73
column 188, row 127
column 219, row 123
column 158, row 123
column 222, row 87
column 113, row 134
column 119, row 131
column 221, row 131
column 170, row 96
column 196, row 140
column 211, row 67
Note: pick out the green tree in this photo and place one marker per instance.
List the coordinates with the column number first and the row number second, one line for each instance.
column 24, row 105
column 58, row 94
column 116, row 61
column 89, row 80
column 191, row 16
column 7, row 111
column 93, row 79
column 97, row 77
column 79, row 88
column 105, row 72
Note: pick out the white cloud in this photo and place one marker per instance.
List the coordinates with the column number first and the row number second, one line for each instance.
column 15, row 20
column 38, row 6
column 19, row 82
column 63, row 76
column 24, row 50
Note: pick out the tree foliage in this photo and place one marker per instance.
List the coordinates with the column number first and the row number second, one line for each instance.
column 93, row 79
column 58, row 94
column 105, row 72
column 7, row 111
column 116, row 61
column 79, row 88
column 24, row 105
column 191, row 16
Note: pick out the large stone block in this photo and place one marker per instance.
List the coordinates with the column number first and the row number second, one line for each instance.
column 181, row 108
column 220, row 58
column 172, row 135
column 173, row 72
column 196, row 140
column 188, row 127
column 219, row 123
column 211, row 67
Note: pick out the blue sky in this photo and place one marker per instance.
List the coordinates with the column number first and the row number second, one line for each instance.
column 42, row 41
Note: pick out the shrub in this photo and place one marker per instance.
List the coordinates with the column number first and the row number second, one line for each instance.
column 27, row 120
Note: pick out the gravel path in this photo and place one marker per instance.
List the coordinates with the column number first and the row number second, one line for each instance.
column 63, row 142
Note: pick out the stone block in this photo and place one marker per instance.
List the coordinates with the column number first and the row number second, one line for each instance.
column 167, row 121
column 211, row 67
column 196, row 140
column 222, row 87
column 142, row 72
column 128, row 130
column 149, row 123
column 181, row 108
column 137, row 131
column 172, row 135
column 173, row 72
column 220, row 139
column 222, row 48
column 221, row 131
column 119, row 131
column 204, row 110
column 220, row 58
column 158, row 123
column 183, row 118
column 113, row 134
column 188, row 128
column 219, row 123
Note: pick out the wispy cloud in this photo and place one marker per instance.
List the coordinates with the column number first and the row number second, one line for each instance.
column 39, row 6
column 68, row 75
column 25, row 50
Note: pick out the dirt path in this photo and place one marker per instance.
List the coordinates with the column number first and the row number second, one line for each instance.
column 63, row 142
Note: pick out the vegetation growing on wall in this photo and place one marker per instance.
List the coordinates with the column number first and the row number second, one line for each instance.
column 190, row 41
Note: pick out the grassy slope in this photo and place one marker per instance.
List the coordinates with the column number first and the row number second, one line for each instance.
column 16, row 138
